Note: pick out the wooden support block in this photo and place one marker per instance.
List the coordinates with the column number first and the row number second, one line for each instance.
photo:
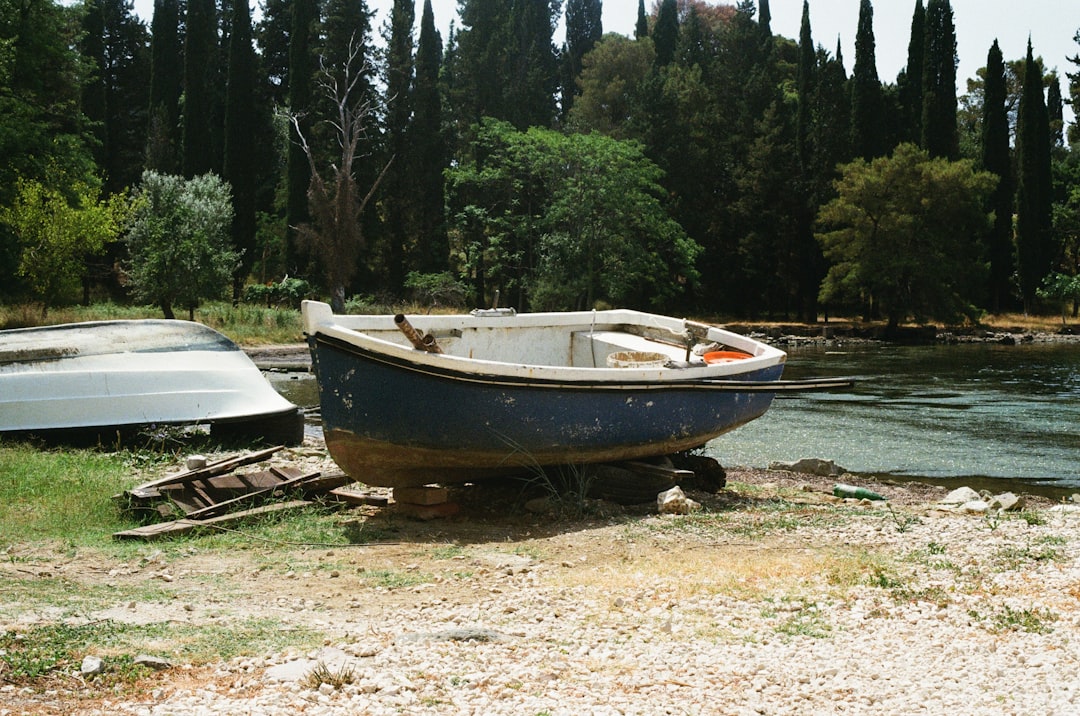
column 426, row 495
column 428, row 512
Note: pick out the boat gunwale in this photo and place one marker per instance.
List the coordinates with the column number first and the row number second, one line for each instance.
column 322, row 326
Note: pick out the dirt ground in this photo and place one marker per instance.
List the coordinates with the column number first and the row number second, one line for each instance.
column 393, row 562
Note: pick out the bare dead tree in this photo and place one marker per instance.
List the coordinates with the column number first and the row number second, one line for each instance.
column 334, row 233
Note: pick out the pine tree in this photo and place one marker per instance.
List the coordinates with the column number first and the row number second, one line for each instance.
column 428, row 153
column 200, row 45
column 166, row 85
column 1034, row 244
column 298, row 172
column 909, row 83
column 240, row 167
column 665, row 33
column 996, row 160
column 939, row 131
column 584, row 28
column 867, row 133
column 641, row 27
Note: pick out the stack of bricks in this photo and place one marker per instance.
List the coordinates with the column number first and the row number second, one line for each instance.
column 424, row 503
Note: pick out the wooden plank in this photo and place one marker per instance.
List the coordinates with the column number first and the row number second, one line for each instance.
column 183, row 526
column 225, row 504
column 225, row 465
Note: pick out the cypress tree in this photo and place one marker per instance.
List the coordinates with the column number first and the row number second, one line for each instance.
column 1074, row 94
column 240, row 167
column 200, row 45
column 272, row 35
column 584, row 28
column 805, row 86
column 867, row 125
column 93, row 91
column 396, row 186
column 298, row 173
column 1034, row 252
column 641, row 28
column 1056, row 111
column 939, row 130
column 909, row 83
column 997, row 160
column 480, row 71
column 665, row 33
column 529, row 98
column 166, row 84
column 428, row 157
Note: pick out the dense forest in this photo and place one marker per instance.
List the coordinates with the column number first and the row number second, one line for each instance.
column 704, row 164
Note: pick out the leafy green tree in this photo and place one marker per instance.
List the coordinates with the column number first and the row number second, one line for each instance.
column 901, row 235
column 939, row 132
column 1063, row 289
column 867, row 117
column 562, row 221
column 179, row 241
column 56, row 233
column 41, row 124
column 1055, row 111
column 166, row 86
column 612, row 77
column 1034, row 194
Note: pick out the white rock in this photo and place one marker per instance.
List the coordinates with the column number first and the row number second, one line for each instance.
column 959, row 496
column 92, row 665
column 975, row 507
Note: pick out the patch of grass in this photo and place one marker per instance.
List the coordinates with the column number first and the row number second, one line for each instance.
column 809, row 621
column 449, row 551
column 60, row 495
column 1033, row 621
column 1011, row 558
column 321, row 674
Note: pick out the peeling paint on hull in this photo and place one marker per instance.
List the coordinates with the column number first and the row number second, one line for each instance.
column 391, row 422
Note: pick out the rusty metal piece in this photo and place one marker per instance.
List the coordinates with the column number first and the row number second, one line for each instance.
column 424, row 343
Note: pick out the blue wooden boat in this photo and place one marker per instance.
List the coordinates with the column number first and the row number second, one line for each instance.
column 460, row 397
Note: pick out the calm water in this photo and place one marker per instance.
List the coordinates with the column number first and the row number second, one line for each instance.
column 961, row 412
column 955, row 413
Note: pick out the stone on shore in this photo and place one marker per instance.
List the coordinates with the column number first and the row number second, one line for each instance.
column 810, row 466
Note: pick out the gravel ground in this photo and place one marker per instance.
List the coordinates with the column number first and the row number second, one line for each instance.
column 778, row 599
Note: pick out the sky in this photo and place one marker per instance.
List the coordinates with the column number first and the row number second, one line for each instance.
column 1051, row 25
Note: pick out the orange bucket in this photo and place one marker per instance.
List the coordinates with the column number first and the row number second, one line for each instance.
column 725, row 356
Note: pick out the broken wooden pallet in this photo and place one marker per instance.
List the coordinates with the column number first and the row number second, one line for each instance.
column 210, row 494
column 175, row 528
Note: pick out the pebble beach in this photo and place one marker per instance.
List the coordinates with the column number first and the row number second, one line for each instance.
column 777, row 598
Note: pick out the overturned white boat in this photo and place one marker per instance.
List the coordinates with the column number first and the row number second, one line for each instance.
column 107, row 376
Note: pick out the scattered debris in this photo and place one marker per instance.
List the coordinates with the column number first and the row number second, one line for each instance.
column 675, row 502
column 212, row 493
